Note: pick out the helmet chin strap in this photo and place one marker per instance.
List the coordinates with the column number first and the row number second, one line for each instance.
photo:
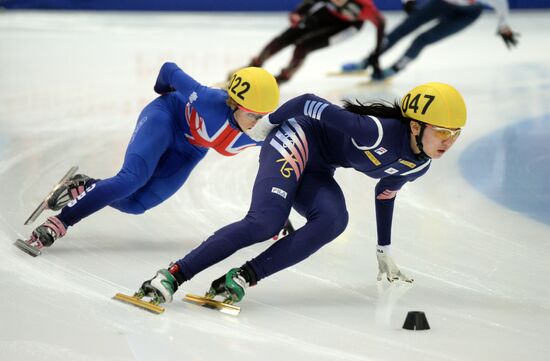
column 422, row 156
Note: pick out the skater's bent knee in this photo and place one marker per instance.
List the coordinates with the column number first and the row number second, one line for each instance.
column 340, row 223
column 267, row 223
column 129, row 206
column 325, row 229
column 134, row 173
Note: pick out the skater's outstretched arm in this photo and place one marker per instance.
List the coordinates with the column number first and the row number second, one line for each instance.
column 385, row 194
column 504, row 30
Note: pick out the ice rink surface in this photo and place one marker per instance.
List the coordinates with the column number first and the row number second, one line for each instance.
column 474, row 232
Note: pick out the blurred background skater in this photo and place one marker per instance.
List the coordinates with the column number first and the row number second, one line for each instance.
column 173, row 134
column 452, row 16
column 316, row 24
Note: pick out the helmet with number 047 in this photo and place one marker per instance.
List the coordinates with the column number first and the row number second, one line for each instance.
column 254, row 90
column 438, row 104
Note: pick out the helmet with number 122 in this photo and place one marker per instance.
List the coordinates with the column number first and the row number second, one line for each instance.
column 254, row 90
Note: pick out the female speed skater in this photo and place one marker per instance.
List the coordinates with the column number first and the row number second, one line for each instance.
column 173, row 133
column 452, row 17
column 395, row 143
column 316, row 24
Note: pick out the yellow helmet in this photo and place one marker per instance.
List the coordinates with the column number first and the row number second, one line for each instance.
column 435, row 103
column 254, row 89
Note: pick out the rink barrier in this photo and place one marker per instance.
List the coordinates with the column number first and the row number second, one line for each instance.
column 205, row 5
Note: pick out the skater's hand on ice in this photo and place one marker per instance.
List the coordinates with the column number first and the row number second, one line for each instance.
column 509, row 37
column 409, row 6
column 387, row 266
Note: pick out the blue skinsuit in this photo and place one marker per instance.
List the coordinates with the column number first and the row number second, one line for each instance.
column 173, row 133
column 297, row 164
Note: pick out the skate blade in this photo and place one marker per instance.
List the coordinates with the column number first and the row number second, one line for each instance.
column 213, row 304
column 22, row 245
column 139, row 303
column 43, row 205
column 348, row 73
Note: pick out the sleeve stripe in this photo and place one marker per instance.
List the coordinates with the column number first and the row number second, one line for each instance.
column 314, row 109
column 318, row 115
column 306, row 107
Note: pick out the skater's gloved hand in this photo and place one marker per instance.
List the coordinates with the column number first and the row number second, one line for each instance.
column 261, row 130
column 409, row 6
column 162, row 85
column 508, row 36
column 387, row 266
column 294, row 19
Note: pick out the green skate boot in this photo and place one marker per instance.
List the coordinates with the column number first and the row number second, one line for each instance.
column 160, row 288
column 231, row 285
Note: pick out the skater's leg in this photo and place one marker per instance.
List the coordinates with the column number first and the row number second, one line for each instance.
column 428, row 11
column 312, row 41
column 153, row 135
column 448, row 25
column 451, row 19
column 280, row 42
column 283, row 159
column 171, row 173
column 321, row 201
column 313, row 23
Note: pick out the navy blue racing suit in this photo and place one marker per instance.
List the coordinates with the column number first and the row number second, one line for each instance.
column 297, row 164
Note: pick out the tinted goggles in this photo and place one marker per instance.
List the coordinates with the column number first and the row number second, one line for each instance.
column 445, row 133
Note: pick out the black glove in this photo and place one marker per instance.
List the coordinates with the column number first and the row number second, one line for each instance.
column 510, row 38
column 162, row 88
column 409, row 7
column 162, row 85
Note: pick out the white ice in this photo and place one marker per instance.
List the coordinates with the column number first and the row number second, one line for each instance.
column 71, row 88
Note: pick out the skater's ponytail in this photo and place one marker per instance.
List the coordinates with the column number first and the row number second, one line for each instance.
column 379, row 109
